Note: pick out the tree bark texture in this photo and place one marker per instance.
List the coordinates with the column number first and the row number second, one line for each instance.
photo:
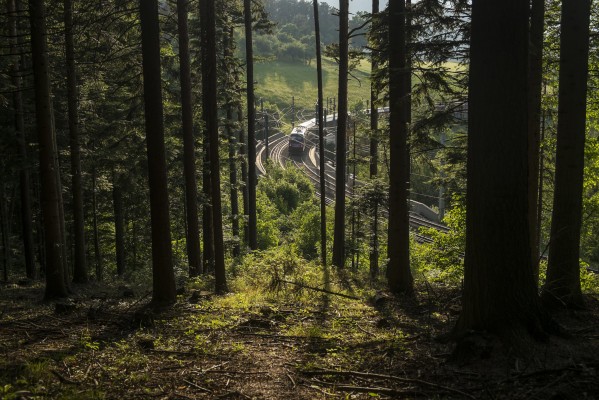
column 210, row 116
column 500, row 295
column 119, row 226
column 189, row 165
column 50, row 197
column 79, row 259
column 163, row 277
column 563, row 270
column 535, row 55
column 321, row 124
column 374, row 154
column 399, row 275
column 24, row 173
column 341, row 146
column 251, row 135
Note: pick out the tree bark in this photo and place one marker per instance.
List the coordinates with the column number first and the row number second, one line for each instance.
column 97, row 253
column 24, row 173
column 163, row 277
column 189, row 166
column 500, row 295
column 399, row 275
column 535, row 55
column 50, row 197
column 562, row 287
column 251, row 135
column 341, row 147
column 244, row 177
column 79, row 259
column 374, row 150
column 321, row 123
column 210, row 116
column 119, row 226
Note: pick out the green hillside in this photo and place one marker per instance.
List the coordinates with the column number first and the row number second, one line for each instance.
column 278, row 81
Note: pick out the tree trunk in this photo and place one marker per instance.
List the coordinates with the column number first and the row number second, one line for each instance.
column 374, row 156
column 399, row 275
column 244, row 177
column 562, row 287
column 97, row 254
column 24, row 173
column 251, row 136
column 207, row 219
column 163, row 277
column 189, row 165
column 232, row 137
column 500, row 296
column 321, row 123
column 341, row 147
column 50, row 197
column 79, row 259
column 119, row 226
column 535, row 55
column 210, row 116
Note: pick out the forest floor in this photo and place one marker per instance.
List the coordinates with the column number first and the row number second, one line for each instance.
column 285, row 344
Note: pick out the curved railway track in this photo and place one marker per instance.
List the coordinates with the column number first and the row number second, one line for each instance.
column 308, row 162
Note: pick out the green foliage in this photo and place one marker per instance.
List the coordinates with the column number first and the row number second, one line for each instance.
column 442, row 260
column 306, row 236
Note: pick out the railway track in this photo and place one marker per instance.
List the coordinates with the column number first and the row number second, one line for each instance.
column 309, row 163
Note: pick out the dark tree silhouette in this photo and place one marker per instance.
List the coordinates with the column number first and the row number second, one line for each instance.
column 189, row 164
column 500, row 295
column 563, row 270
column 79, row 259
column 399, row 275
column 210, row 117
column 341, row 146
column 163, row 277
column 49, row 176
column 534, row 125
column 251, row 134
column 24, row 173
column 374, row 150
column 321, row 123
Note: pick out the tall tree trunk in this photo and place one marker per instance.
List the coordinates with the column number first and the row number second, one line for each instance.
column 341, row 147
column 119, row 225
column 399, row 275
column 244, row 177
column 321, row 123
column 251, row 136
column 79, row 259
column 374, row 152
column 563, row 270
column 50, row 197
column 535, row 82
column 233, row 182
column 189, row 165
column 4, row 223
column 500, row 295
column 207, row 219
column 24, row 173
column 231, row 135
column 97, row 253
column 163, row 277
column 210, row 116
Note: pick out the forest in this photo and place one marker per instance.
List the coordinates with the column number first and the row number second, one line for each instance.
column 279, row 199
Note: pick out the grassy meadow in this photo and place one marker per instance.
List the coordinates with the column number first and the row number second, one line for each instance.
column 278, row 81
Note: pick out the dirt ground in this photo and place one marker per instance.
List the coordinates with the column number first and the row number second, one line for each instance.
column 104, row 343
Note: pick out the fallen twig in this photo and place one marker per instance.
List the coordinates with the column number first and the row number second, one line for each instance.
column 64, row 380
column 390, row 377
column 363, row 389
column 347, row 296
column 195, row 385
